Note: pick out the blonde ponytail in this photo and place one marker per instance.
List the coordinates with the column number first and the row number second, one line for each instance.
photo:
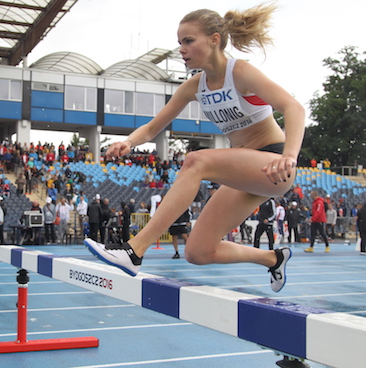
column 246, row 29
column 249, row 28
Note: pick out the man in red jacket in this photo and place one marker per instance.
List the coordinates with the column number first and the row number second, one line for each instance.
column 318, row 218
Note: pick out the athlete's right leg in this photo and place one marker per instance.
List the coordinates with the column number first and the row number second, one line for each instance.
column 237, row 168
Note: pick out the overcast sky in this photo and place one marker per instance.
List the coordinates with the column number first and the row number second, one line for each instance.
column 305, row 32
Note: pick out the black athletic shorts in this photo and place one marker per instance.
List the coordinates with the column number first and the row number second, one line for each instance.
column 177, row 230
column 275, row 148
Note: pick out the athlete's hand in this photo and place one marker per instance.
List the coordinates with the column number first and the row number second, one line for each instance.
column 281, row 169
column 118, row 149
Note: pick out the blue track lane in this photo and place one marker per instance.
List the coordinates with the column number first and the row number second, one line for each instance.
column 132, row 336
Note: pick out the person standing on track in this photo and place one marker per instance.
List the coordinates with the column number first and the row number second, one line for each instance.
column 317, row 221
column 260, row 164
column 266, row 217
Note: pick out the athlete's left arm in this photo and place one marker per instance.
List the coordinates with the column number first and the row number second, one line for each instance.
column 249, row 78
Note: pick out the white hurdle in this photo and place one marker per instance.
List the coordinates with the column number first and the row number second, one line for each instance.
column 333, row 339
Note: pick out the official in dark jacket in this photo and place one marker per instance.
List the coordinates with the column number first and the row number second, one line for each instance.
column 266, row 217
column 95, row 215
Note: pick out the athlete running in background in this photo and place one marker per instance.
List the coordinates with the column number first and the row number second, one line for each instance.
column 238, row 98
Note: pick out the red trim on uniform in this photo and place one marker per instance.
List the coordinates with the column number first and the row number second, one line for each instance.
column 254, row 100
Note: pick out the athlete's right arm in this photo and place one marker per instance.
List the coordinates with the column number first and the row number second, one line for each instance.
column 184, row 94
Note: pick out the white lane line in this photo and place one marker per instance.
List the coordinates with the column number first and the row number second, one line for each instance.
column 55, row 293
column 291, row 266
column 34, row 282
column 70, row 308
column 295, row 283
column 83, row 330
column 318, row 295
column 182, row 359
column 266, row 275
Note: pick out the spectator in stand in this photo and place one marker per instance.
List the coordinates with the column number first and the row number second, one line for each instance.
column 151, row 160
column 18, row 164
column 318, row 218
column 20, row 182
column 297, row 189
column 331, row 214
column 165, row 177
column 24, row 157
column 50, row 158
column 71, row 153
column 354, row 210
column 160, row 184
column 35, row 179
column 64, row 158
column 81, row 194
column 69, row 193
column 132, row 205
column 68, row 173
column 295, row 197
column 6, row 190
column 313, row 163
column 8, row 160
column 49, row 212
column 33, row 154
column 61, row 149
column 326, row 164
column 52, row 192
column 88, row 156
column 152, row 183
column 28, row 180
column 146, row 183
column 142, row 208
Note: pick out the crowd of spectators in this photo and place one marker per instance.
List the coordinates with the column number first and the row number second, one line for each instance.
column 34, row 169
column 33, row 165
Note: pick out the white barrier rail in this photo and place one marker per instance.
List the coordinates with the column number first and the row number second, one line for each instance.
column 333, row 339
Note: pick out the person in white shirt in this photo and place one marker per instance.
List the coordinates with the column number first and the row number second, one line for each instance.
column 331, row 221
column 63, row 210
column 280, row 218
column 82, row 209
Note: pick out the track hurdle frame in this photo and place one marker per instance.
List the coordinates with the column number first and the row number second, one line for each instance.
column 21, row 344
column 299, row 332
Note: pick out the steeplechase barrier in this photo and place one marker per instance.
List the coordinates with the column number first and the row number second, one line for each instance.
column 298, row 332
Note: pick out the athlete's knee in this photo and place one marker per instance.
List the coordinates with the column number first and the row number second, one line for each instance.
column 194, row 256
column 194, row 160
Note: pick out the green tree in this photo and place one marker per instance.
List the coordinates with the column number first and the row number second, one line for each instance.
column 76, row 141
column 339, row 114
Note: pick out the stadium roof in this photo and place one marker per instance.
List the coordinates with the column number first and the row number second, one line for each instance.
column 67, row 62
column 143, row 68
column 24, row 23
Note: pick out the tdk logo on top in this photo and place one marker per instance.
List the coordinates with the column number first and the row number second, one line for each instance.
column 216, row 97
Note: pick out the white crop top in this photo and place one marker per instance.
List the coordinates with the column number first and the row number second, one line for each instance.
column 227, row 108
